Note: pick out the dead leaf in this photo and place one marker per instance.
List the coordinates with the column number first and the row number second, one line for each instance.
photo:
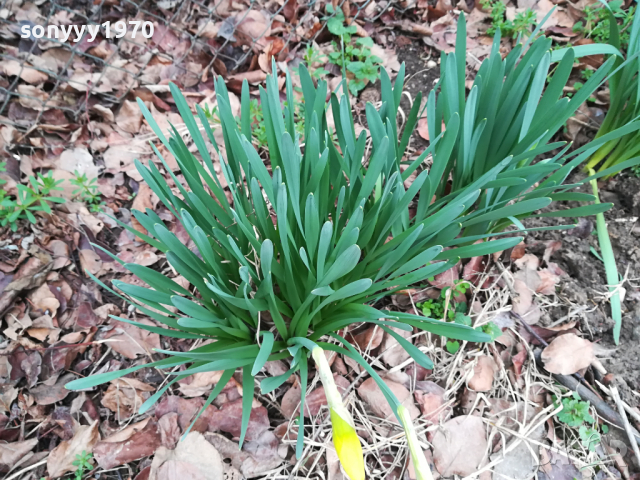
column 61, row 458
column 459, row 446
column 129, row 117
column 145, row 198
column 393, row 353
column 255, row 458
column 373, row 396
column 368, row 339
column 90, row 261
column 44, row 300
column 12, row 453
column 133, row 443
column 430, row 399
column 447, row 278
column 131, row 341
column 228, row 419
column 13, row 68
column 78, row 160
column 200, row 384
column 48, row 395
column 125, row 396
column 193, row 459
column 568, row 354
column 60, row 253
column 483, row 372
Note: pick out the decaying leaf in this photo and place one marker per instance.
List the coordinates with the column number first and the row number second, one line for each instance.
column 459, row 446
column 568, row 354
column 61, row 458
column 193, row 459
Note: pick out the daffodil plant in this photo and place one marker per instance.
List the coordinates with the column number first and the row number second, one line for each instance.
column 289, row 251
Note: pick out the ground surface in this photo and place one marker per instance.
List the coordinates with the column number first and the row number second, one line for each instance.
column 486, row 411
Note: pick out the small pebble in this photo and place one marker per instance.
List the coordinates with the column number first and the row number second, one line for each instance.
column 431, row 64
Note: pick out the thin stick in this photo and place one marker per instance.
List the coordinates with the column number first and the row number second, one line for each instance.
column 625, row 421
column 26, row 469
column 626, row 406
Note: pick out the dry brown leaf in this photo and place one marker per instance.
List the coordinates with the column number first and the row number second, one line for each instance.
column 430, row 399
column 90, row 261
column 193, row 459
column 373, row 396
column 133, row 443
column 12, row 453
column 129, row 117
column 568, row 354
column 200, row 383
column 368, row 339
column 61, row 458
column 48, row 395
column 60, row 253
column 423, row 128
column 125, row 396
column 7, row 395
column 33, row 97
column 483, row 372
column 393, row 353
column 143, row 200
column 44, row 299
column 78, row 160
column 13, row 68
column 548, row 282
column 131, row 341
column 459, row 446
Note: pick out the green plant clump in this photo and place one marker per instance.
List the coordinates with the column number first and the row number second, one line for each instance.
column 87, row 191
column 312, row 239
column 521, row 24
column 357, row 57
column 82, row 464
column 596, row 22
column 31, row 198
column 575, row 413
column 617, row 154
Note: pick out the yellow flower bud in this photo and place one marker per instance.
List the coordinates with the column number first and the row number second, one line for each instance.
column 423, row 472
column 345, row 438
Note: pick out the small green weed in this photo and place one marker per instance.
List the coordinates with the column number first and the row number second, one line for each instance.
column 435, row 308
column 83, row 462
column 575, row 413
column 312, row 55
column 578, row 86
column 357, row 57
column 33, row 197
column 258, row 129
column 87, row 191
column 595, row 24
column 521, row 24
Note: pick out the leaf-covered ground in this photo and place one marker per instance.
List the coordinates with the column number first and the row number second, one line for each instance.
column 490, row 411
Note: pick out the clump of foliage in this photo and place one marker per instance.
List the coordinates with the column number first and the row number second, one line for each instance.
column 521, row 24
column 87, row 191
column 435, row 308
column 575, row 413
column 596, row 22
column 455, row 311
column 619, row 153
column 356, row 56
column 312, row 56
column 310, row 240
column 33, row 197
column 82, row 464
column 266, row 291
